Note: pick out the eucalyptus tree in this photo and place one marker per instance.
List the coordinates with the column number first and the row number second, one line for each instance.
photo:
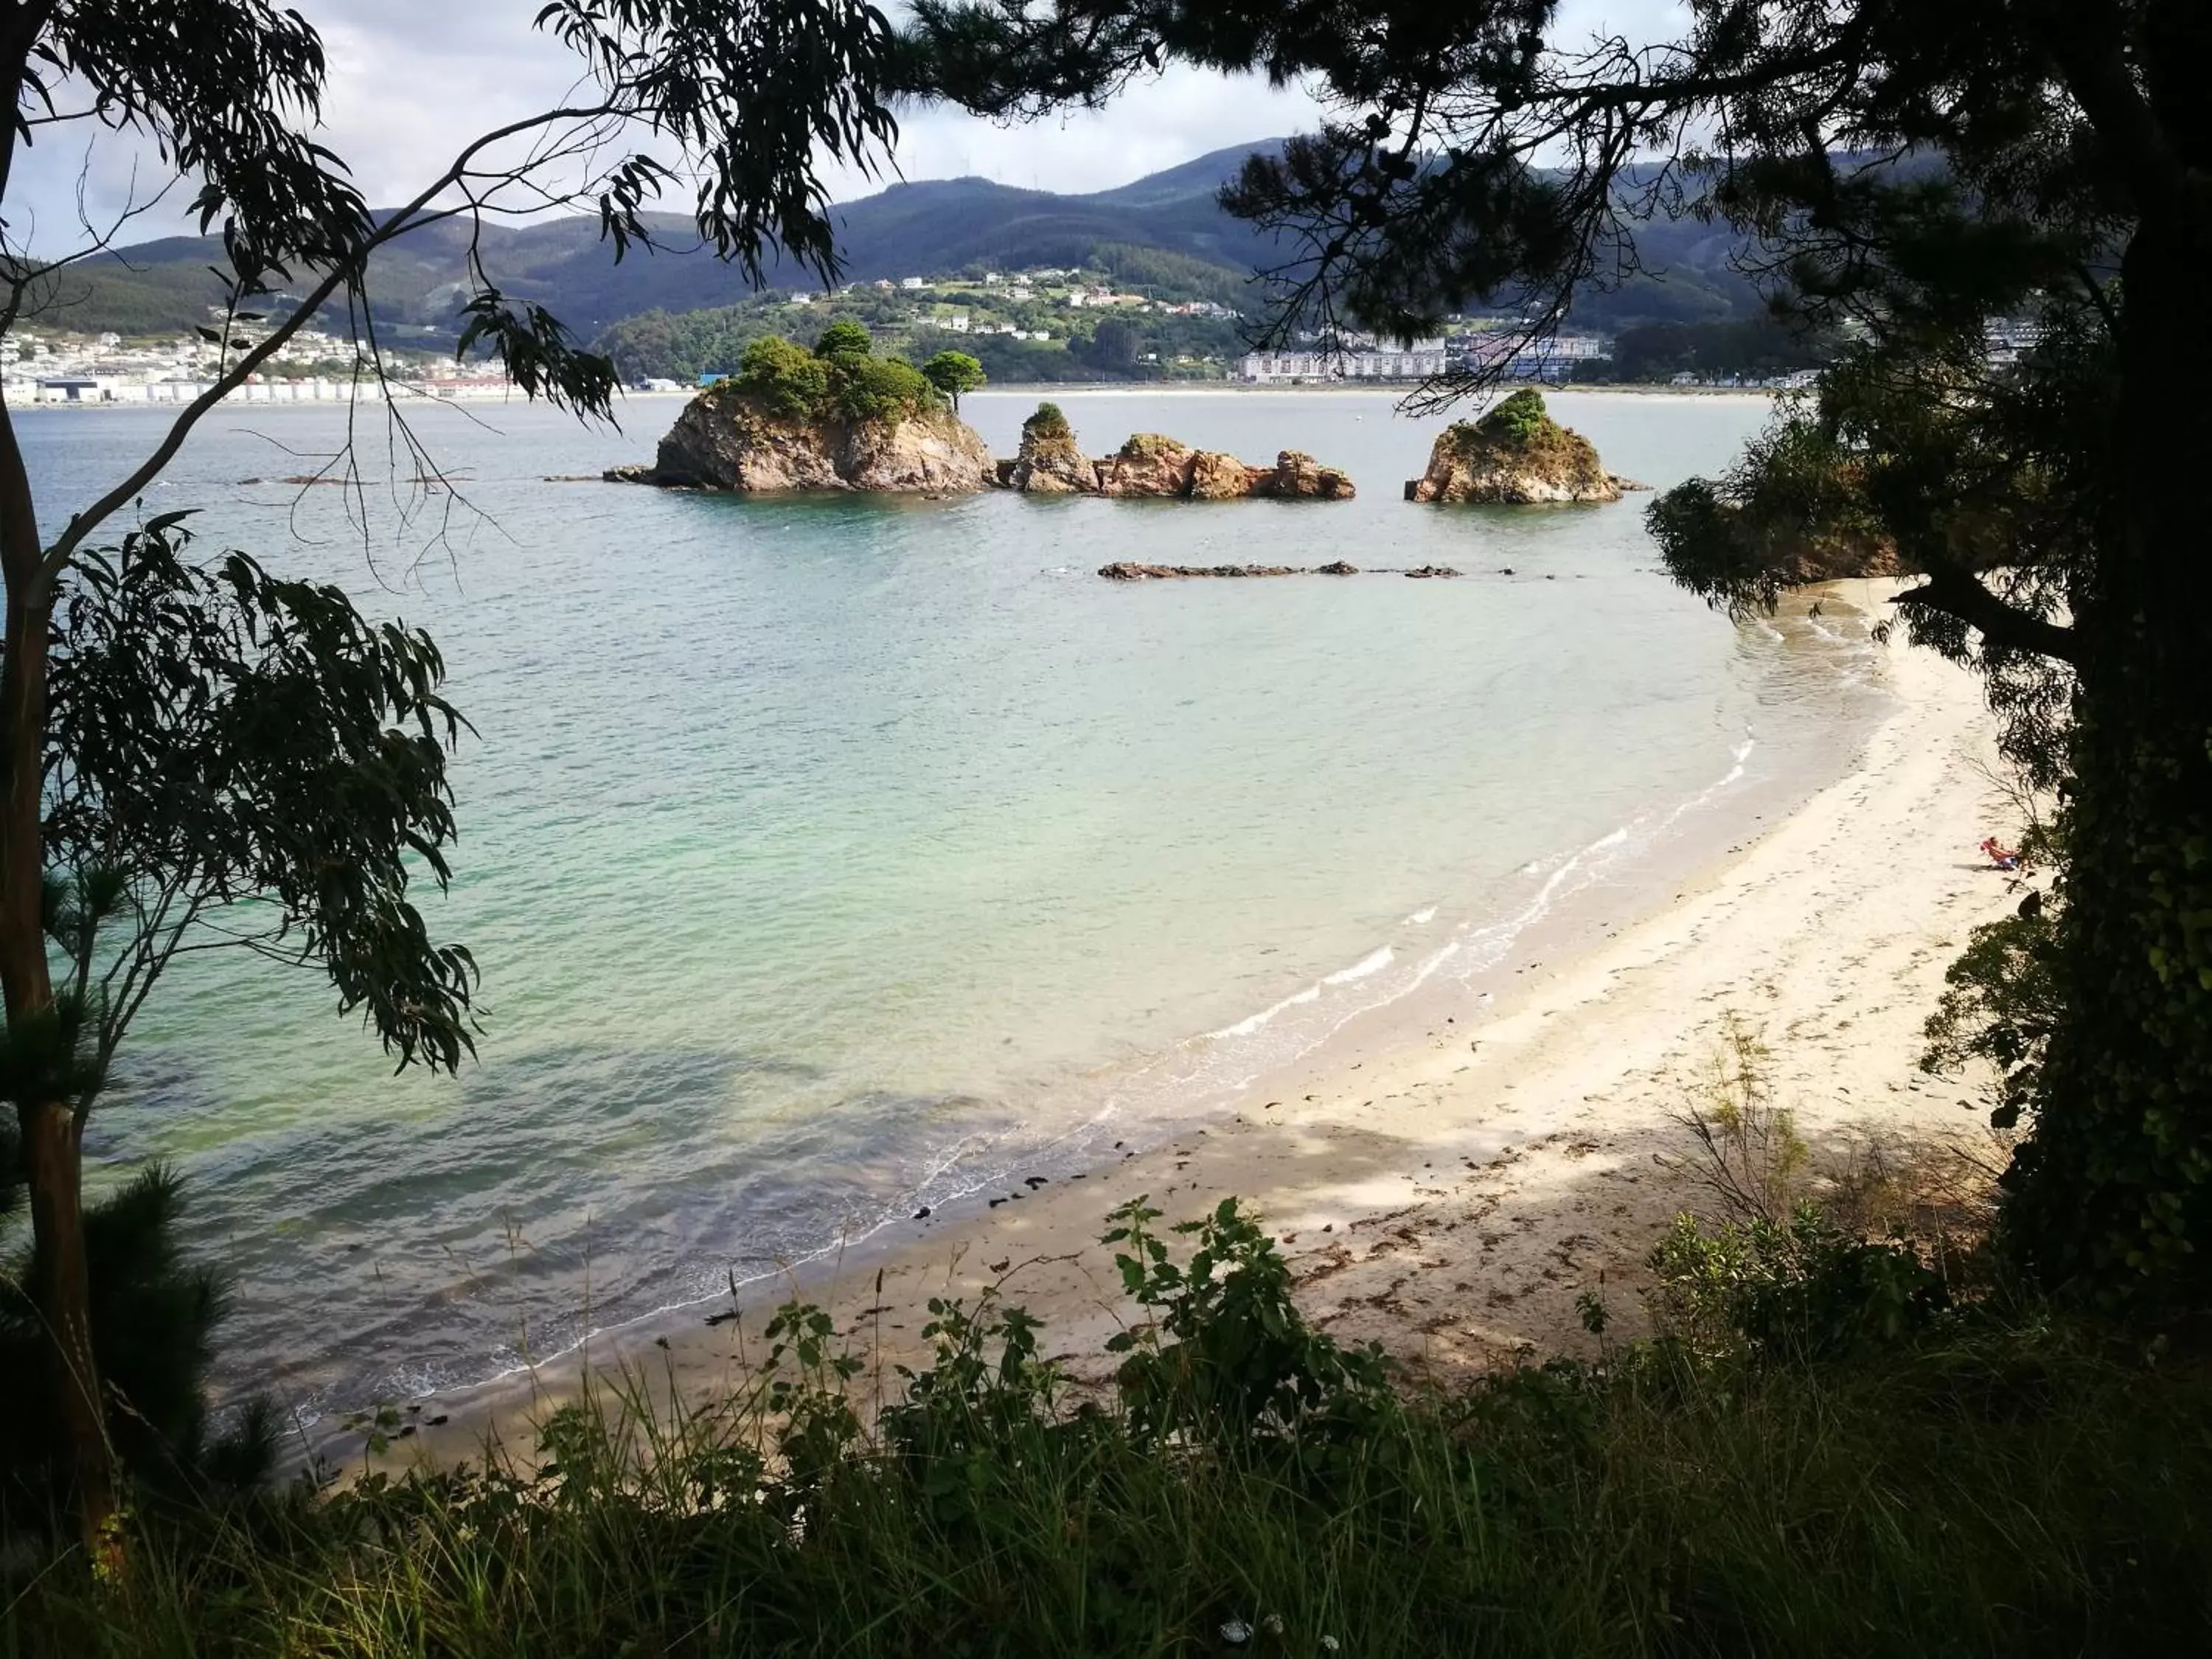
column 198, row 755
column 1920, row 171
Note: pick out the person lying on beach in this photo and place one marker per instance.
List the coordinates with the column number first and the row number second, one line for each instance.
column 2000, row 857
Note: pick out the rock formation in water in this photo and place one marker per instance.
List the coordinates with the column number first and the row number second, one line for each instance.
column 1516, row 454
column 1128, row 570
column 1049, row 462
column 1152, row 464
column 833, row 418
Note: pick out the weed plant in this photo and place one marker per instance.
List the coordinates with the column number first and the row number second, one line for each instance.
column 1982, row 1479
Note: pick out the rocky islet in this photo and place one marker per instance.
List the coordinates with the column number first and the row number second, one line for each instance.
column 1516, row 455
column 735, row 437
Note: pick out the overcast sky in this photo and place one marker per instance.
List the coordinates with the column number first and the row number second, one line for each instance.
column 411, row 79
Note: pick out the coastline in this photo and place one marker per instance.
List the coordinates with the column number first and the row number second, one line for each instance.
column 1451, row 1190
column 1396, row 390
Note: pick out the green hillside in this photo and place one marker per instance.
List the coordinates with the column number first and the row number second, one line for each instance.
column 1164, row 234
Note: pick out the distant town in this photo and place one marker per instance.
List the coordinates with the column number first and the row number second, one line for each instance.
column 1043, row 324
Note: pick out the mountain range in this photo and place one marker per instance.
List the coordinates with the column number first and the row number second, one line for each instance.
column 925, row 228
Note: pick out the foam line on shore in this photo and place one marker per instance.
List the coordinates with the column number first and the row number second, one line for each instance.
column 1453, row 1202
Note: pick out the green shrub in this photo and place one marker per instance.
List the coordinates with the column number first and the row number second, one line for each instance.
column 837, row 380
column 2008, row 1488
column 1226, row 1352
column 1803, row 1288
column 844, row 339
column 1519, row 420
column 153, row 1319
column 791, row 379
column 2001, row 1006
column 879, row 389
column 1248, row 1487
column 1048, row 421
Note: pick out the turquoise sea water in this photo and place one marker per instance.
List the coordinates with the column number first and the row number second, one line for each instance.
column 827, row 857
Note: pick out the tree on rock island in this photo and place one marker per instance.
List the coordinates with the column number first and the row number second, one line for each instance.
column 953, row 374
column 199, row 752
column 1924, row 175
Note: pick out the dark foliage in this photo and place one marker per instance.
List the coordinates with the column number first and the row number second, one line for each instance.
column 1948, row 1482
column 1518, row 419
column 1047, row 420
column 1799, row 1288
column 235, row 758
column 1752, row 349
column 841, row 380
column 155, row 1315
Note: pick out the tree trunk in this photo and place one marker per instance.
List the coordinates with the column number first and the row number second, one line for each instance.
column 2112, row 1192
column 51, row 1166
column 53, row 1172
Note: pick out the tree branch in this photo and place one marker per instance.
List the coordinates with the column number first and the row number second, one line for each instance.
column 2095, row 70
column 82, row 524
column 1954, row 594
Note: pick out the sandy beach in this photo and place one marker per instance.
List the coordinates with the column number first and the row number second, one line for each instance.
column 1452, row 1194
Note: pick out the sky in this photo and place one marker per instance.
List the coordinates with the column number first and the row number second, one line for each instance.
column 411, row 79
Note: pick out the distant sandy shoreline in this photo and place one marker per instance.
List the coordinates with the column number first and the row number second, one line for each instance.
column 1451, row 1195
column 1394, row 392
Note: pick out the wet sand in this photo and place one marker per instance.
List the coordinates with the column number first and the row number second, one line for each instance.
column 1452, row 1194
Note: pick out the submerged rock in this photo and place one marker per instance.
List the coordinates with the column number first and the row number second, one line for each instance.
column 1129, row 571
column 1516, row 454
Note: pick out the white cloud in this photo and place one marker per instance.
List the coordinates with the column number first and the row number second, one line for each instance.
column 413, row 80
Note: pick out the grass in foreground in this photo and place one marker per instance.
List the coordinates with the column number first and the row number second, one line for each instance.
column 1839, row 1481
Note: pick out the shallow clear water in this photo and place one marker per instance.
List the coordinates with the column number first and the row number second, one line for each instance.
column 828, row 857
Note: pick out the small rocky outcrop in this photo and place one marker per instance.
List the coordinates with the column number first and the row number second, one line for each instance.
column 728, row 439
column 1050, row 463
column 1299, row 478
column 1215, row 476
column 1152, row 464
column 1516, row 454
column 1149, row 463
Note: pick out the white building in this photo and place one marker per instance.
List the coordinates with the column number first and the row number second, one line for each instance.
column 1547, row 357
column 909, row 282
column 2004, row 338
column 1262, row 368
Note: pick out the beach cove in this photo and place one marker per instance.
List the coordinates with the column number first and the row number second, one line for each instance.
column 831, row 859
column 1449, row 1180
